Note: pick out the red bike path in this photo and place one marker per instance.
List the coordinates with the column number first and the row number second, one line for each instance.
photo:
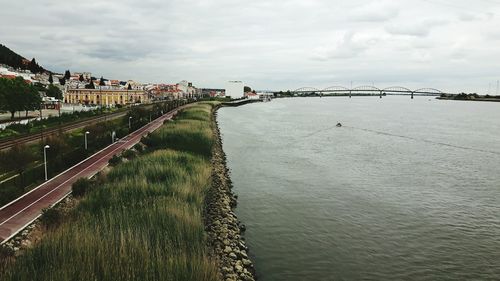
column 18, row 214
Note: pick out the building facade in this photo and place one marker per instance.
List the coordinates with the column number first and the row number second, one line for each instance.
column 105, row 97
column 235, row 89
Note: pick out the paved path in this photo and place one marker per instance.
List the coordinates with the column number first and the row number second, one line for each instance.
column 21, row 212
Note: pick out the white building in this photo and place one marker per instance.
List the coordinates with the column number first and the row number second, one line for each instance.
column 186, row 88
column 235, row 89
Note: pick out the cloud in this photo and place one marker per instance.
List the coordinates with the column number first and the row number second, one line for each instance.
column 349, row 46
column 376, row 11
column 269, row 44
column 418, row 29
column 469, row 17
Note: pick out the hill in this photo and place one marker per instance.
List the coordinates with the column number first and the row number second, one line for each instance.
column 11, row 58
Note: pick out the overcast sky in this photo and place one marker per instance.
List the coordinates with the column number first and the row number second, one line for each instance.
column 448, row 44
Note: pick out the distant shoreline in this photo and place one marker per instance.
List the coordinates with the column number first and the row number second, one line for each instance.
column 475, row 99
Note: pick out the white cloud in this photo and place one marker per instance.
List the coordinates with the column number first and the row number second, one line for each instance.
column 419, row 29
column 375, row 11
column 269, row 44
column 348, row 46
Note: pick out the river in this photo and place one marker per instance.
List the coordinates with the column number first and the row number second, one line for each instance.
column 405, row 190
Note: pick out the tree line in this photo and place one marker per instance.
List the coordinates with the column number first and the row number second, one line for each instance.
column 9, row 57
column 17, row 95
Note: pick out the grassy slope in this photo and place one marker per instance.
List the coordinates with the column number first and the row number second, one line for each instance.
column 144, row 223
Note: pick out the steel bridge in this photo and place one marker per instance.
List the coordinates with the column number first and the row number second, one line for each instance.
column 369, row 90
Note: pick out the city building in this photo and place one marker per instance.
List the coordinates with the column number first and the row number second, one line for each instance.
column 164, row 91
column 105, row 97
column 252, row 96
column 212, row 93
column 187, row 89
column 235, row 89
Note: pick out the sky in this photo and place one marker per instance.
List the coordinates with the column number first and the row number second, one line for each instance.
column 452, row 45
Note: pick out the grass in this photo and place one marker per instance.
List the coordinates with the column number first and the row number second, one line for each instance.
column 144, row 222
column 192, row 132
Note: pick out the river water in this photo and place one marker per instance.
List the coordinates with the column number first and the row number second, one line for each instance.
column 405, row 190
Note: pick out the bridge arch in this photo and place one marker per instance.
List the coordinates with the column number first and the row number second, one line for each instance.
column 398, row 89
column 366, row 89
column 306, row 90
column 429, row 91
column 336, row 89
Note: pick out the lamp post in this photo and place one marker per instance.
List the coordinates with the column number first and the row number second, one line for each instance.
column 86, row 133
column 45, row 159
column 129, row 122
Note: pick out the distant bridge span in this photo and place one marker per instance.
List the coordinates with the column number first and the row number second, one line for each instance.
column 363, row 90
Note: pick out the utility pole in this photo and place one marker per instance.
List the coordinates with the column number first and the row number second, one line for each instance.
column 498, row 86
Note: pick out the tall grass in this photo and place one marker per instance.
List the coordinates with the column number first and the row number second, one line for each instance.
column 192, row 132
column 143, row 223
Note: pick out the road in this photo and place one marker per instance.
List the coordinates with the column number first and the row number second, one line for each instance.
column 18, row 214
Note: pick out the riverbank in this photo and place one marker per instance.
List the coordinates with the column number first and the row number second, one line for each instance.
column 470, row 98
column 164, row 213
column 225, row 232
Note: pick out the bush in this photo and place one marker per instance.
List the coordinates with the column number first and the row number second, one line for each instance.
column 129, row 154
column 139, row 147
column 6, row 252
column 9, row 193
column 115, row 160
column 81, row 187
column 51, row 218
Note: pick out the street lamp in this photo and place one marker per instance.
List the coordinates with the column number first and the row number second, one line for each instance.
column 86, row 133
column 129, row 124
column 45, row 159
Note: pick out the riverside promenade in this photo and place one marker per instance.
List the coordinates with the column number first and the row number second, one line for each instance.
column 18, row 214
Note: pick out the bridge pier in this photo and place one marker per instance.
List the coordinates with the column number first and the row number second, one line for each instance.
column 350, row 94
column 411, row 95
column 380, row 94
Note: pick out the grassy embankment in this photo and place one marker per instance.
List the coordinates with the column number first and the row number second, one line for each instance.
column 143, row 222
column 66, row 149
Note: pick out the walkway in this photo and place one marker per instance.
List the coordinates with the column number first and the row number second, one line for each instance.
column 18, row 214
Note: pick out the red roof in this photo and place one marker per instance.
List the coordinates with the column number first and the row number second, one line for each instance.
column 10, row 76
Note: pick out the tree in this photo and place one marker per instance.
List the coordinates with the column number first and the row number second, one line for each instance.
column 54, row 91
column 101, row 82
column 11, row 92
column 129, row 87
column 2, row 93
column 32, row 99
column 40, row 87
column 51, row 80
column 247, row 89
column 34, row 67
column 23, row 157
column 67, row 75
column 81, row 79
column 90, row 85
column 62, row 81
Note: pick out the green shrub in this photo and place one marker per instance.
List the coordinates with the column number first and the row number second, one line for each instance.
column 6, row 252
column 139, row 147
column 115, row 160
column 81, row 187
column 51, row 218
column 129, row 154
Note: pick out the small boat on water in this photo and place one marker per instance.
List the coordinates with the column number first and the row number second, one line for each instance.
column 339, row 125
